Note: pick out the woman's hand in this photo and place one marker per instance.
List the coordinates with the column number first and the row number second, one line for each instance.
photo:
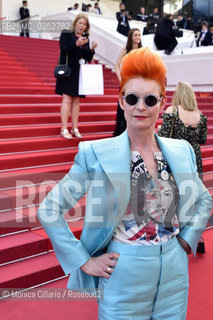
column 81, row 41
column 184, row 245
column 94, row 45
column 101, row 266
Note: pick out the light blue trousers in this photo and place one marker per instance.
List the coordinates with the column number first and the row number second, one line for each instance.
column 148, row 282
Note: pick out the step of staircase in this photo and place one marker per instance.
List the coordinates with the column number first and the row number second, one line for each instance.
column 54, row 108
column 44, row 143
column 18, row 120
column 25, row 218
column 54, row 130
column 31, row 98
column 17, row 246
column 35, row 175
column 30, row 272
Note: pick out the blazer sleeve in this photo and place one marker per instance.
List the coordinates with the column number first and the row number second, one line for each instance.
column 67, row 42
column 70, row 252
column 118, row 16
column 21, row 13
column 207, row 39
column 87, row 53
column 193, row 230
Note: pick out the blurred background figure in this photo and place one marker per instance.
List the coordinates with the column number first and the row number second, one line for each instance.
column 75, row 7
column 183, row 120
column 154, row 16
column 133, row 42
column 123, row 23
column 150, row 27
column 88, row 7
column 205, row 37
column 189, row 23
column 165, row 36
column 211, row 31
column 181, row 22
column 96, row 9
column 24, row 13
column 142, row 16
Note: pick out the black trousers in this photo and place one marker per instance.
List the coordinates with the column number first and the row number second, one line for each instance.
column 24, row 29
column 120, row 126
column 165, row 43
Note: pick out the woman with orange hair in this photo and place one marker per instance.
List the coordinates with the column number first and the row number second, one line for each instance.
column 141, row 220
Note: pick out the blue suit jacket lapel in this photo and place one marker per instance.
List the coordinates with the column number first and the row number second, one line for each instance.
column 171, row 152
column 180, row 168
column 118, row 169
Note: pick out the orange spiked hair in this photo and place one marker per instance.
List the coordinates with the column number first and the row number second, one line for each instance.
column 145, row 63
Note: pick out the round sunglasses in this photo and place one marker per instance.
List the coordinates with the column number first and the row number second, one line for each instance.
column 150, row 100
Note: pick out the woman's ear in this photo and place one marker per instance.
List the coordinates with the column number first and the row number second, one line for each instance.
column 121, row 102
column 163, row 104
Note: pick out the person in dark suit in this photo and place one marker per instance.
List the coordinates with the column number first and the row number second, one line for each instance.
column 142, row 16
column 149, row 28
column 211, row 31
column 189, row 23
column 123, row 23
column 205, row 37
column 154, row 16
column 96, row 9
column 75, row 7
column 165, row 35
column 181, row 22
column 24, row 13
column 75, row 48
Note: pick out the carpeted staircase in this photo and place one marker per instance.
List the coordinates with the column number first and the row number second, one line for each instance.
column 34, row 156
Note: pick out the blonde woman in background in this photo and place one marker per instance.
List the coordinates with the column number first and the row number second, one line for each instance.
column 190, row 123
column 183, row 120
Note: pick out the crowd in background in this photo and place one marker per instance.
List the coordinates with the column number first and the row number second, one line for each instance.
column 165, row 27
column 87, row 7
column 169, row 27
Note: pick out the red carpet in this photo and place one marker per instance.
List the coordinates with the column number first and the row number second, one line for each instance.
column 199, row 308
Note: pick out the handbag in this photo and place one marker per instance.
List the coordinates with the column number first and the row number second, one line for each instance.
column 62, row 71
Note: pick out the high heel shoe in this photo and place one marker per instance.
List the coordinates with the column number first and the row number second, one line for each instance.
column 76, row 133
column 201, row 246
column 65, row 134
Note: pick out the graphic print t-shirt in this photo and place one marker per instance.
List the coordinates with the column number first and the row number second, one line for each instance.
column 150, row 217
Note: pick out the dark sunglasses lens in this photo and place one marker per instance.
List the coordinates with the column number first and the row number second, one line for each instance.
column 131, row 99
column 151, row 101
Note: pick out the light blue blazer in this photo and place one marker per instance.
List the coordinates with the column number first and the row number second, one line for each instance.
column 102, row 170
